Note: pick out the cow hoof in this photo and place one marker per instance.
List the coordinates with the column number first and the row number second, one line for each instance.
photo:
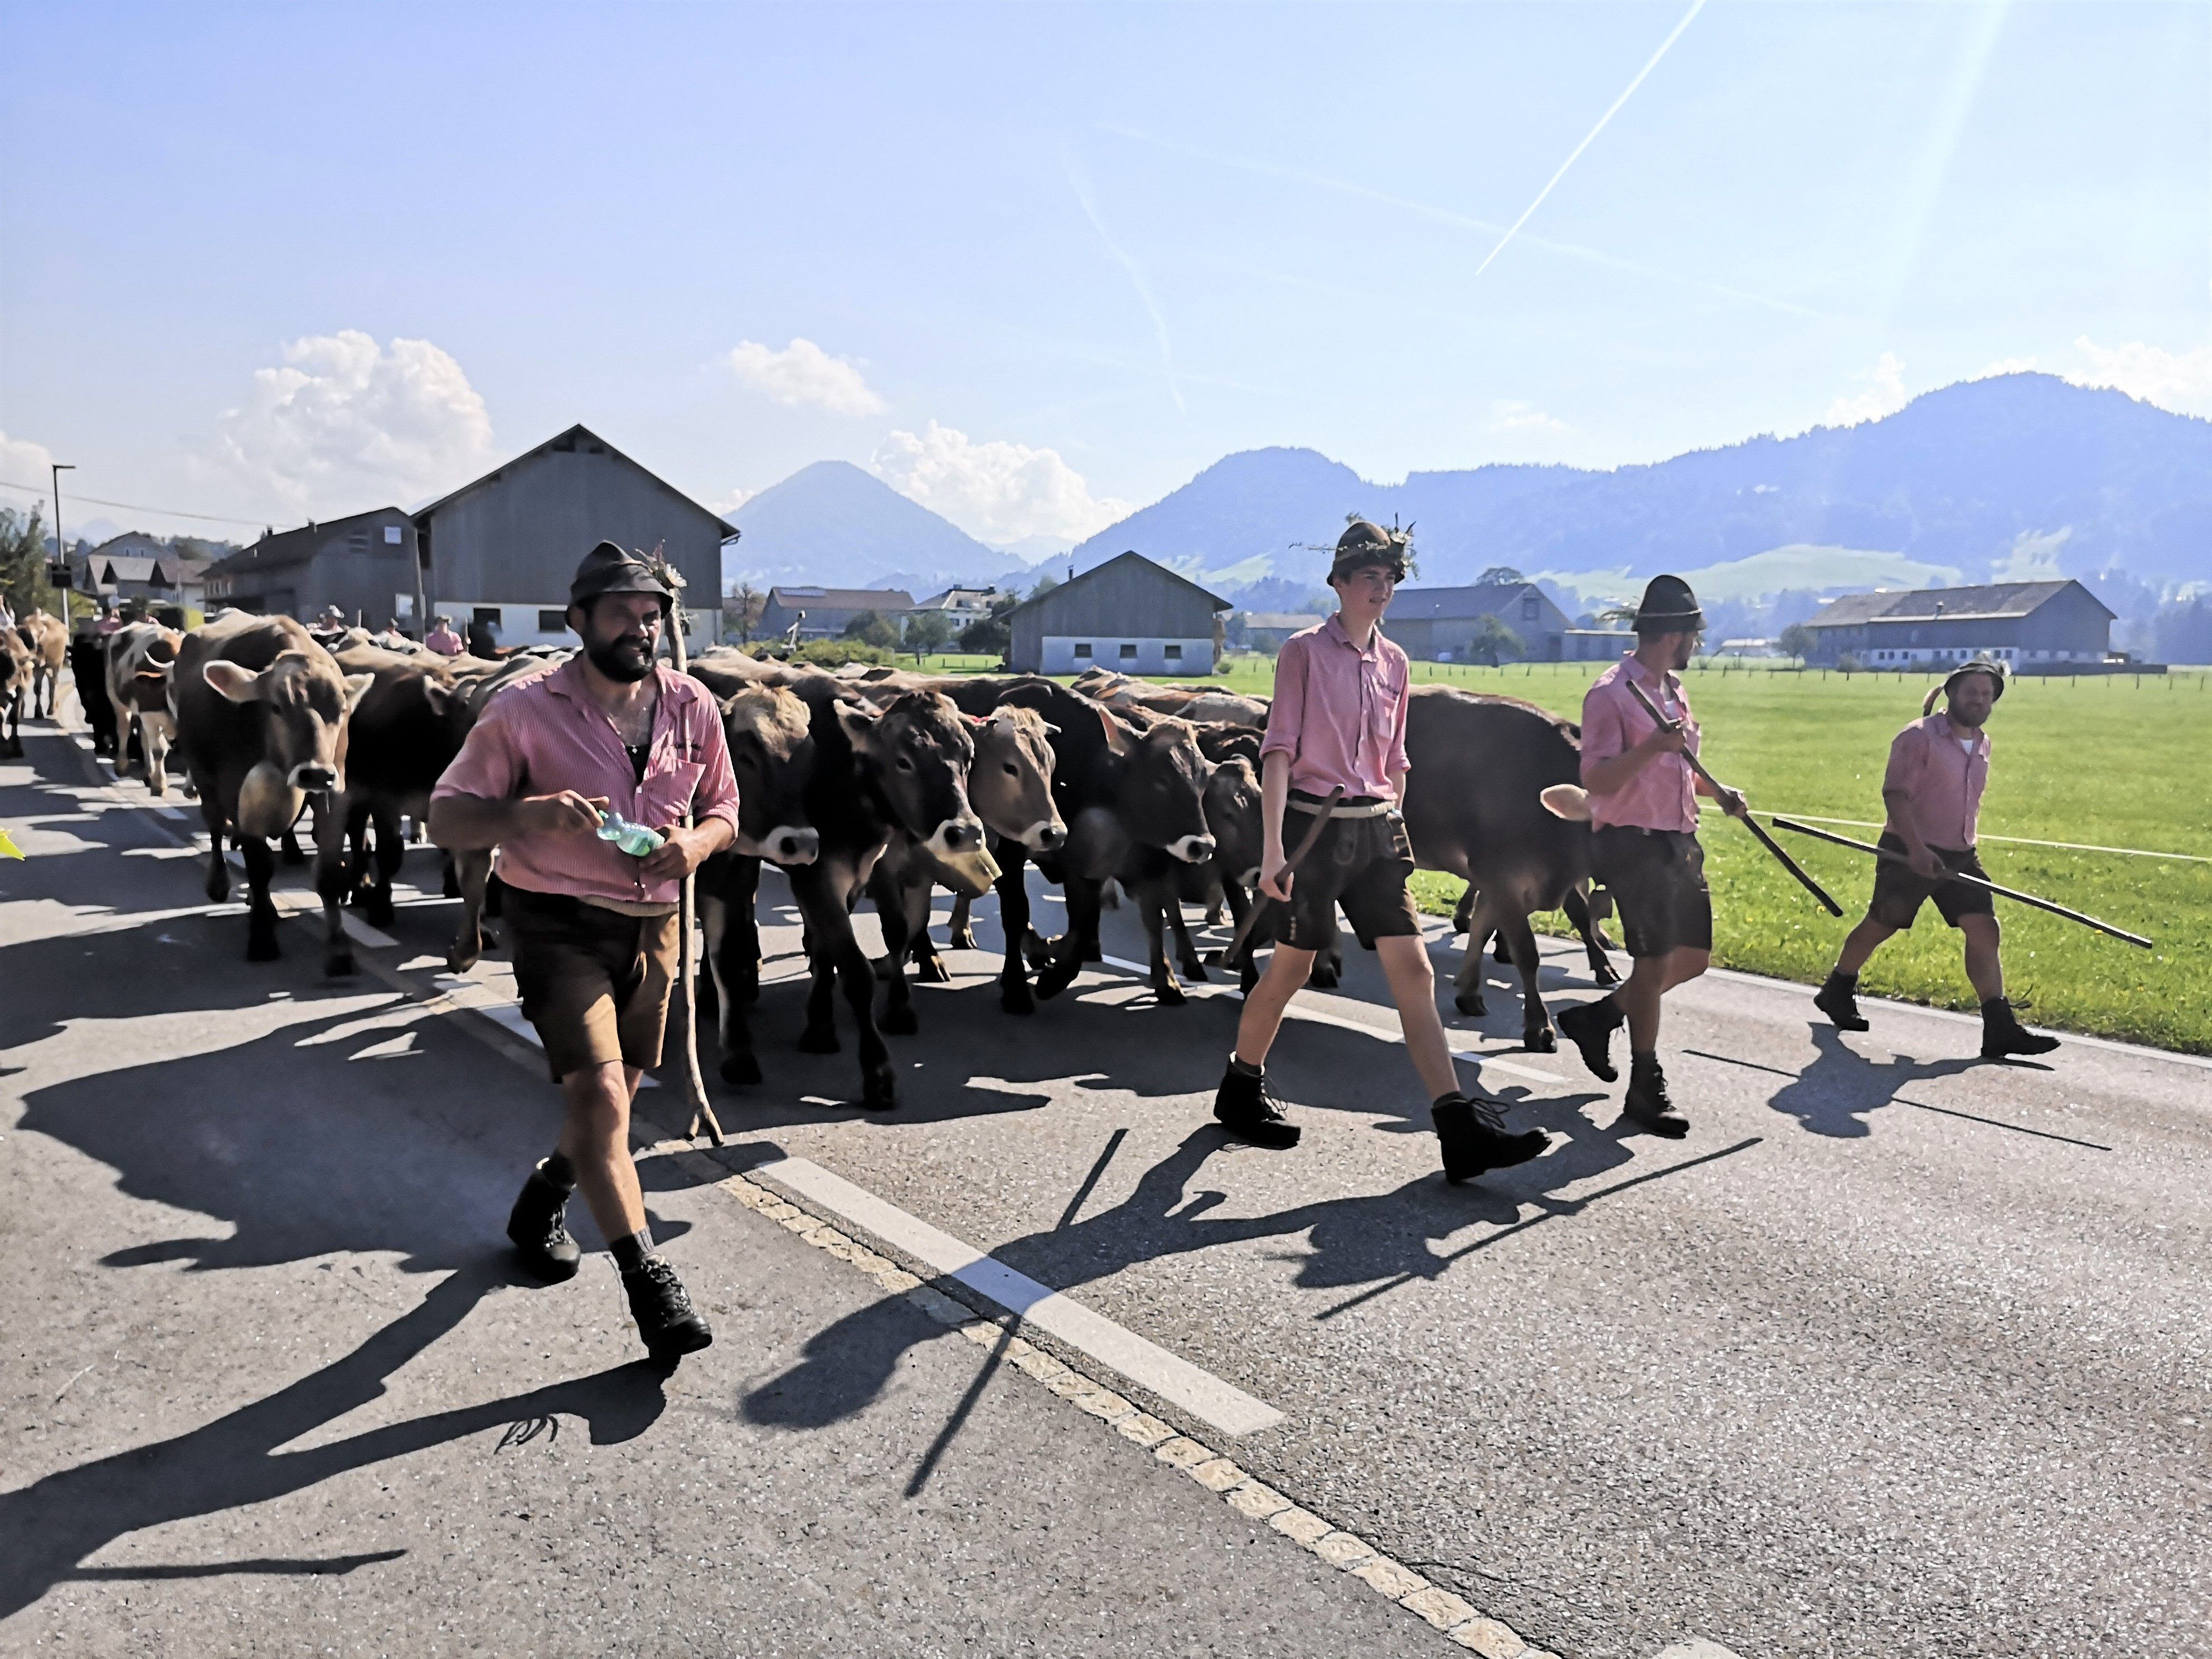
column 962, row 939
column 814, row 1041
column 338, row 965
column 737, row 1070
column 901, row 1022
column 1194, row 970
column 1604, row 973
column 1540, row 1041
column 1470, row 1002
column 459, row 961
column 932, row 970
column 1170, row 995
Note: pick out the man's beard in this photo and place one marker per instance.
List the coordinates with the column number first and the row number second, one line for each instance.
column 1971, row 719
column 627, row 659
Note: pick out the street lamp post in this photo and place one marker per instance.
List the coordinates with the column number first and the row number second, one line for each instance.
column 61, row 553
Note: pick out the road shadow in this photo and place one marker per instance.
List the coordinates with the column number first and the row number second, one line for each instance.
column 49, row 1528
column 1836, row 1095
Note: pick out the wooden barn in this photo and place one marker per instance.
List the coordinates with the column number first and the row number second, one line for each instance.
column 1127, row 614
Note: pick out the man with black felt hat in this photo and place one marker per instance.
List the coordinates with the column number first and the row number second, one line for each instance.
column 1931, row 796
column 592, row 924
column 1644, row 844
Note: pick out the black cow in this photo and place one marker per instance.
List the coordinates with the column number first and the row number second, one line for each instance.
column 87, row 664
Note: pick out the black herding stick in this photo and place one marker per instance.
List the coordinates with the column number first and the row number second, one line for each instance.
column 1969, row 881
column 1265, row 898
column 1764, row 840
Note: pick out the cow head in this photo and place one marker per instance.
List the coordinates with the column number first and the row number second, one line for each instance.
column 304, row 702
column 919, row 751
column 1011, row 782
column 1162, row 791
column 772, row 752
column 1233, row 813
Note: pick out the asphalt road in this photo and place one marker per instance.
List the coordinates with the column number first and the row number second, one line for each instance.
column 1897, row 1353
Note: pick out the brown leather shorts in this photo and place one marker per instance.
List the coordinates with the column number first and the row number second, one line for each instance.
column 1657, row 878
column 594, row 982
column 1361, row 864
column 1898, row 892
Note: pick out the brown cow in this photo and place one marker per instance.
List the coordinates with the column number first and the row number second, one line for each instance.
column 18, row 678
column 49, row 642
column 141, row 660
column 261, row 724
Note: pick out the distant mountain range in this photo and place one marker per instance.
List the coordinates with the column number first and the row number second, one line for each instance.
column 2015, row 476
column 1987, row 478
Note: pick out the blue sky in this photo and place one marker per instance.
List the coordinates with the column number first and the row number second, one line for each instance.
column 277, row 261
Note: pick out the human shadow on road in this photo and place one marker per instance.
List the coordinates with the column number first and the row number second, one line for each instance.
column 49, row 1528
column 1837, row 1092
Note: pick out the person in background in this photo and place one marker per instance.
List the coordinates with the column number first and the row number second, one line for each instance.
column 441, row 638
column 1932, row 797
column 483, row 637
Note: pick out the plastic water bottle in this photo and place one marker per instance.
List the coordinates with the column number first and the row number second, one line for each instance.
column 634, row 839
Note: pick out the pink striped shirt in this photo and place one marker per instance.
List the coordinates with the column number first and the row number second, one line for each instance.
column 1338, row 711
column 1942, row 778
column 547, row 735
column 1663, row 795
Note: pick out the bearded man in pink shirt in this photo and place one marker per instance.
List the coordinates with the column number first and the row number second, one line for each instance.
column 1338, row 721
column 592, row 925
column 1643, row 845
column 1932, row 796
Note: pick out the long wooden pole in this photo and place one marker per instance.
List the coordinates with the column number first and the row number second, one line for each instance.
column 1764, row 840
column 687, row 911
column 1966, row 880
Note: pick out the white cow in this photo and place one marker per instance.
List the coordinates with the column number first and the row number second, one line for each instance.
column 142, row 660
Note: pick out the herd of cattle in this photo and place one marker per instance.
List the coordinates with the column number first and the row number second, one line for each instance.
column 869, row 783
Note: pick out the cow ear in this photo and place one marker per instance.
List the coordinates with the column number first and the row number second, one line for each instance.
column 356, row 688
column 1118, row 739
column 859, row 720
column 1570, row 801
column 235, row 684
column 442, row 698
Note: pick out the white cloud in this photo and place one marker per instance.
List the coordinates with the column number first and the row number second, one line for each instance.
column 2033, row 558
column 1510, row 416
column 346, row 425
column 997, row 491
column 1884, row 395
column 803, row 373
column 2006, row 366
column 731, row 503
column 2178, row 381
column 22, row 462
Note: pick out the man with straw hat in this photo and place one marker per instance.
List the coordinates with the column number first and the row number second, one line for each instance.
column 1643, row 845
column 593, row 924
column 1932, row 796
column 1337, row 734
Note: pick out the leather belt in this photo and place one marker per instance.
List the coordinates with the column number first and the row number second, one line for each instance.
column 1352, row 806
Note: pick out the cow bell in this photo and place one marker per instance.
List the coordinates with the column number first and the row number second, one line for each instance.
column 267, row 805
column 970, row 873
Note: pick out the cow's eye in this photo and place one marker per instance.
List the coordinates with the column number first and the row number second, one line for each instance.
column 904, row 765
column 1010, row 769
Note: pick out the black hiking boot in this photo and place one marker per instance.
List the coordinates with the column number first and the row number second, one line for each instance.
column 540, row 1231
column 671, row 1326
column 1837, row 998
column 1646, row 1105
column 2003, row 1035
column 1473, row 1137
column 1590, row 1027
column 1249, row 1112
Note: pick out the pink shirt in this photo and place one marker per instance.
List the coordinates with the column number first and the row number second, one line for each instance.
column 1941, row 778
column 1663, row 795
column 547, row 735
column 1340, row 712
column 444, row 641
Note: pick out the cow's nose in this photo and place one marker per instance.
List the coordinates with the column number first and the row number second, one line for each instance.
column 1051, row 837
column 959, row 836
column 798, row 847
column 311, row 778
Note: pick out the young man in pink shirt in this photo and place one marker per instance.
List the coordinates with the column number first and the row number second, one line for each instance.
column 1932, row 796
column 1339, row 721
column 1643, row 845
column 593, row 928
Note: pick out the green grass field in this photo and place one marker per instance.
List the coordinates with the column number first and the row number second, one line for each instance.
column 2108, row 761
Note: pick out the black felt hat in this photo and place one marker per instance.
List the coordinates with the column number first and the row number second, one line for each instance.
column 1365, row 543
column 1988, row 665
column 1668, row 607
column 610, row 568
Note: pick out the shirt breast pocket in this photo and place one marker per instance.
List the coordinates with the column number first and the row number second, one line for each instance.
column 665, row 794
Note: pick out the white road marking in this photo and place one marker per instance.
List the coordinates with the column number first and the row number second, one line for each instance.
column 170, row 812
column 1200, row 1392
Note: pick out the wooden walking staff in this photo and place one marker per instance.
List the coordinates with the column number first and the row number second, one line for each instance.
column 1964, row 880
column 1764, row 840
column 1321, row 818
column 687, row 911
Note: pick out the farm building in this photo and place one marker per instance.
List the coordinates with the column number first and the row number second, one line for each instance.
column 1443, row 625
column 1266, row 630
column 2026, row 624
column 1597, row 644
column 823, row 613
column 1127, row 614
column 365, row 565
column 502, row 551
column 961, row 605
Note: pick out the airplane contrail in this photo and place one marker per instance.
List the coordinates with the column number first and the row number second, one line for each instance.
column 1081, row 187
column 1696, row 6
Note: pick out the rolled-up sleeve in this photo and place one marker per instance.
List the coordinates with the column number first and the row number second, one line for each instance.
column 489, row 765
column 1605, row 734
column 1396, row 760
column 1286, row 713
column 716, row 796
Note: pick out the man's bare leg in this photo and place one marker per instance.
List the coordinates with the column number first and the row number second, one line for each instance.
column 1264, row 1003
column 1413, row 982
column 595, row 1140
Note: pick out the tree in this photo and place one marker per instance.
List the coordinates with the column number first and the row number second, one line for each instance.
column 1499, row 575
column 743, row 609
column 23, row 563
column 1797, row 641
column 990, row 635
column 928, row 631
column 871, row 628
column 1045, row 584
column 1493, row 641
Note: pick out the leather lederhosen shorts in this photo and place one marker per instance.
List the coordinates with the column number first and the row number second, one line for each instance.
column 1898, row 893
column 1360, row 863
column 1657, row 879
column 595, row 983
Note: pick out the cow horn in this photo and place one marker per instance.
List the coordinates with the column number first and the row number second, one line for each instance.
column 1570, row 801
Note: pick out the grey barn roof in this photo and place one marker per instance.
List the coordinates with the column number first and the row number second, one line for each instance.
column 842, row 598
column 566, row 439
column 1991, row 601
column 1456, row 604
column 297, row 546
